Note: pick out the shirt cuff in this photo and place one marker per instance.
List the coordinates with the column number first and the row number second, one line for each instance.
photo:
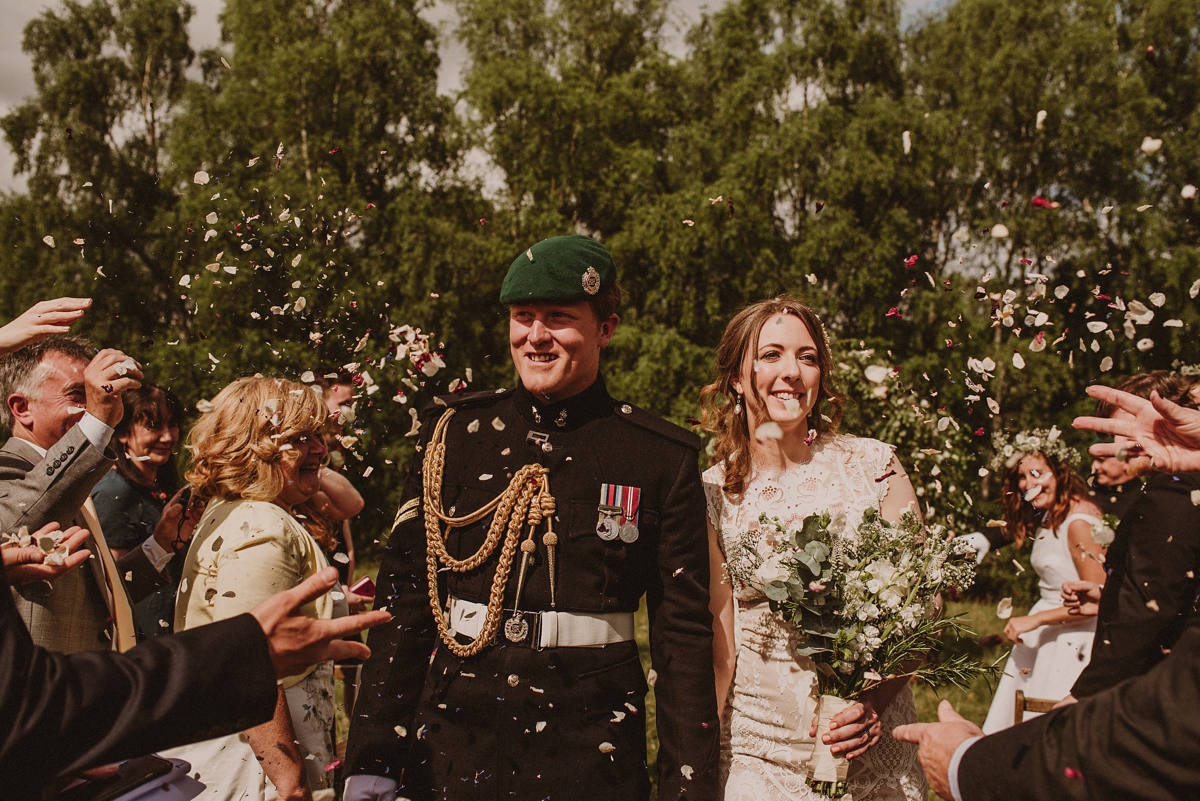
column 157, row 555
column 97, row 433
column 369, row 788
column 952, row 772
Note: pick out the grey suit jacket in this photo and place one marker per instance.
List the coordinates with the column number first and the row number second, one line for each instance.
column 73, row 614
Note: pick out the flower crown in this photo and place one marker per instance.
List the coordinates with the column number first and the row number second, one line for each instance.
column 1035, row 440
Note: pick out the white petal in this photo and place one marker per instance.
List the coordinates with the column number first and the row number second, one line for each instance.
column 999, row 231
column 201, row 178
column 1004, row 609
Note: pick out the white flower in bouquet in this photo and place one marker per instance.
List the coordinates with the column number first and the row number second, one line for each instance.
column 772, row 569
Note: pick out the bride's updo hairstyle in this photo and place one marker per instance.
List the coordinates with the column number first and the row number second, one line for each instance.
column 719, row 402
column 240, row 443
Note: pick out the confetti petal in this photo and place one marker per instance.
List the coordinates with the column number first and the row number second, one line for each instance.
column 999, row 231
column 1150, row 145
column 201, row 178
column 1004, row 609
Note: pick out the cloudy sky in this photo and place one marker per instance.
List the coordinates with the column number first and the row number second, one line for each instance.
column 16, row 79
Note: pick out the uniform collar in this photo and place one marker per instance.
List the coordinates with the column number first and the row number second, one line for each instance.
column 566, row 415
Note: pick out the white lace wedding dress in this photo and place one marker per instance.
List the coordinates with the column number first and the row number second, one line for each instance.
column 766, row 745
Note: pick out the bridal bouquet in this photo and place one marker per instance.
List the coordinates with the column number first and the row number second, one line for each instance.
column 865, row 600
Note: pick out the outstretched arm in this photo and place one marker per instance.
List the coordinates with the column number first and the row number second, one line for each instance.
column 1166, row 431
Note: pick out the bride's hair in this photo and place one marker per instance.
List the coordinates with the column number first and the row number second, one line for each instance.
column 1022, row 519
column 718, row 400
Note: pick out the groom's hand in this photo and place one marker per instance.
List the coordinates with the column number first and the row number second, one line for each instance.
column 937, row 743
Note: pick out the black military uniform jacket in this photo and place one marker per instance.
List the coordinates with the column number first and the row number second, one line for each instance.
column 1117, row 500
column 569, row 723
column 1154, row 576
column 1137, row 740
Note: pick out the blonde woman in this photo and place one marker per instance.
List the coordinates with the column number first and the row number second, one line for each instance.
column 775, row 373
column 256, row 456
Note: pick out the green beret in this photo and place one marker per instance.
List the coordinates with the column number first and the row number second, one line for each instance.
column 562, row 269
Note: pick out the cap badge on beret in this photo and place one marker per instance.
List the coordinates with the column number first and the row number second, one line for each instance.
column 591, row 281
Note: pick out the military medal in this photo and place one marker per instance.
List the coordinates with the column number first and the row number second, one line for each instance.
column 607, row 527
column 630, row 501
column 618, row 513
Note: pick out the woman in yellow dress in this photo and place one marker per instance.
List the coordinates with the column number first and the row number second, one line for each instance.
column 257, row 455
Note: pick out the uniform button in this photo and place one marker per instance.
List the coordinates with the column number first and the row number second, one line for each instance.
column 627, row 409
column 547, row 447
column 70, row 449
column 513, row 680
column 57, row 464
column 49, row 471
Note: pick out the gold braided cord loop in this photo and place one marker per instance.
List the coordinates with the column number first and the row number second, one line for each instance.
column 512, row 507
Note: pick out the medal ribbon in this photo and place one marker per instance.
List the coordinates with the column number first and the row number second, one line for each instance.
column 630, row 505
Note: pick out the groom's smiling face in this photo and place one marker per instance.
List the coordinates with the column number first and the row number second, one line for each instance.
column 556, row 347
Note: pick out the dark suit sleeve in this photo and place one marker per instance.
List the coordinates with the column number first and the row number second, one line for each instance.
column 1150, row 593
column 394, row 676
column 60, row 714
column 1140, row 739
column 54, row 488
column 139, row 575
column 681, row 644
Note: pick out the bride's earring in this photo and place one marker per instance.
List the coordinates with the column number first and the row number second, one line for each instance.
column 737, row 406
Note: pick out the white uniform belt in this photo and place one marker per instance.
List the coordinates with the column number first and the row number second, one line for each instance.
column 552, row 629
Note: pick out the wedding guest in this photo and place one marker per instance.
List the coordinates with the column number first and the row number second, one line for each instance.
column 61, row 401
column 255, row 457
column 60, row 714
column 1045, row 499
column 1152, row 563
column 131, row 498
column 1139, row 739
column 338, row 501
column 774, row 368
column 1115, row 488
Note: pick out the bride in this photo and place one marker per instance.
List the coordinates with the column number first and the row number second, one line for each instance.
column 774, row 413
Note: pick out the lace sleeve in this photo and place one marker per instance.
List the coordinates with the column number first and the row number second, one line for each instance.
column 716, row 500
column 879, row 459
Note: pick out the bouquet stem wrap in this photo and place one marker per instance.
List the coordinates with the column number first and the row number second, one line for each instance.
column 823, row 766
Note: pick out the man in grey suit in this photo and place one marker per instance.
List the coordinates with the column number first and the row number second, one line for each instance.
column 61, row 404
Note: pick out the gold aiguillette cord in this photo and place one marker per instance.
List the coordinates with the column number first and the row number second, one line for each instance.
column 515, row 505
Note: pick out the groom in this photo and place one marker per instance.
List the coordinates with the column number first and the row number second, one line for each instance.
column 543, row 696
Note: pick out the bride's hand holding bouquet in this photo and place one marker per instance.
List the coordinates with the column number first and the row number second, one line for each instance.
column 866, row 600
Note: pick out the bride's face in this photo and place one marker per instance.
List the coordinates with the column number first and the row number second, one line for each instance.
column 1034, row 477
column 783, row 372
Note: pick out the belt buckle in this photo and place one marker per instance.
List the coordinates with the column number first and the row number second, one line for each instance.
column 532, row 639
column 535, row 632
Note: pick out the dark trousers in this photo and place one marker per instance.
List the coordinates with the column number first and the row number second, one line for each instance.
column 514, row 723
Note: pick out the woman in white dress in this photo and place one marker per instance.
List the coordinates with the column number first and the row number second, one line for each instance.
column 1045, row 499
column 774, row 411
column 256, row 456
